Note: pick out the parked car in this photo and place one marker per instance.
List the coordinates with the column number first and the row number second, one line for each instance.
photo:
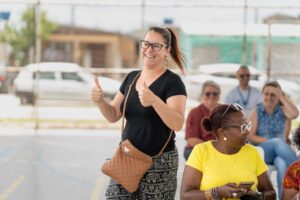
column 59, row 81
column 224, row 75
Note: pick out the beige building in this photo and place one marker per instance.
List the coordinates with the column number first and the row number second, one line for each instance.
column 91, row 48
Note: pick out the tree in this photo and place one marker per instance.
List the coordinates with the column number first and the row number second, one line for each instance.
column 22, row 38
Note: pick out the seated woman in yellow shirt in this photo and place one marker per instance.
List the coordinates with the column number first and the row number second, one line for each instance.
column 217, row 169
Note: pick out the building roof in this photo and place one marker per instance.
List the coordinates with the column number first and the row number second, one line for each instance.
column 69, row 29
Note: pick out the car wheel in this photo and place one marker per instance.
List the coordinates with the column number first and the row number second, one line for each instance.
column 27, row 99
column 23, row 100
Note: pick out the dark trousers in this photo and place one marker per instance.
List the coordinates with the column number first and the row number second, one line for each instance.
column 187, row 152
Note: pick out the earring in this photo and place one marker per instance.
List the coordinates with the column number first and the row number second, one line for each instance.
column 225, row 138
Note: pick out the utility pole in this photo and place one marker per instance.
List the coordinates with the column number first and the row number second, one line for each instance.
column 244, row 45
column 38, row 49
column 73, row 15
column 269, row 50
column 143, row 16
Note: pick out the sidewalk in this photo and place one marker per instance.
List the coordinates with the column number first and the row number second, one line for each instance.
column 61, row 115
column 56, row 114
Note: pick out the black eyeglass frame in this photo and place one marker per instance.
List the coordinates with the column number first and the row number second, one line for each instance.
column 149, row 44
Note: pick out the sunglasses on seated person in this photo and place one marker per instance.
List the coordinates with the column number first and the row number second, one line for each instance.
column 244, row 75
column 208, row 94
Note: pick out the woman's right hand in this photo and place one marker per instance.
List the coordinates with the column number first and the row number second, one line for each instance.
column 231, row 190
column 97, row 93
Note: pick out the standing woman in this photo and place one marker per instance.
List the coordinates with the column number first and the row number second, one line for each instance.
column 194, row 131
column 271, row 125
column 155, row 106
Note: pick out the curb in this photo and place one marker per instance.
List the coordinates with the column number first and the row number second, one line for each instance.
column 59, row 124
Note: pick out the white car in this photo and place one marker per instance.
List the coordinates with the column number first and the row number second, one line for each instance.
column 59, row 81
column 224, row 75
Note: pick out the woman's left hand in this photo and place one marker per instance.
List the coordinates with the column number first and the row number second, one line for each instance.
column 146, row 96
column 279, row 93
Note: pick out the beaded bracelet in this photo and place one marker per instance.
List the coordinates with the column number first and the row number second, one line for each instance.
column 215, row 193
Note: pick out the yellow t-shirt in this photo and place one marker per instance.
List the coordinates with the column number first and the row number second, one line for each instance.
column 219, row 169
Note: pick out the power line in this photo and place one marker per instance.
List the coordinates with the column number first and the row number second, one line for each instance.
column 140, row 3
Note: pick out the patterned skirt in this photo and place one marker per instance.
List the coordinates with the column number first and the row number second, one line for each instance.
column 159, row 183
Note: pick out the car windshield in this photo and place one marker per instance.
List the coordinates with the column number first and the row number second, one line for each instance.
column 71, row 76
column 45, row 75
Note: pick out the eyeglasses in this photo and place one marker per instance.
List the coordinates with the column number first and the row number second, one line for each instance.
column 244, row 75
column 207, row 94
column 243, row 127
column 235, row 106
column 154, row 46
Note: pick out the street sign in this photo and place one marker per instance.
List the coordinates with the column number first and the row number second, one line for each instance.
column 4, row 15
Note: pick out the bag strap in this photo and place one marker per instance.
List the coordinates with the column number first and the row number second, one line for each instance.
column 124, row 108
column 125, row 102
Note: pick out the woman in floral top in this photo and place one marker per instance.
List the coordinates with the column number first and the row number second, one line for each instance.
column 291, row 181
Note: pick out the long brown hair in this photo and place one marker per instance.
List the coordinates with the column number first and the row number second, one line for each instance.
column 172, row 43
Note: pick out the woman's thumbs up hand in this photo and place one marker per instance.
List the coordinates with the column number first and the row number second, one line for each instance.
column 97, row 93
column 146, row 96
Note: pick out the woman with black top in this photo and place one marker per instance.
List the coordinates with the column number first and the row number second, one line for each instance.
column 155, row 106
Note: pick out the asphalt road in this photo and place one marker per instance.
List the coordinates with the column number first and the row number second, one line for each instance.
column 58, row 164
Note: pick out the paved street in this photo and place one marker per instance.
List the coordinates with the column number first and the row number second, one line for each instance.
column 54, row 163
column 58, row 164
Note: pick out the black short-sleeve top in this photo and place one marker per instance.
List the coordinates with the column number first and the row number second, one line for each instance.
column 144, row 128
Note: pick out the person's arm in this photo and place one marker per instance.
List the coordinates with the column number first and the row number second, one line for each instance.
column 190, row 184
column 252, row 135
column 111, row 111
column 287, row 130
column 171, row 112
column 289, row 109
column 290, row 194
column 265, row 186
column 190, row 187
